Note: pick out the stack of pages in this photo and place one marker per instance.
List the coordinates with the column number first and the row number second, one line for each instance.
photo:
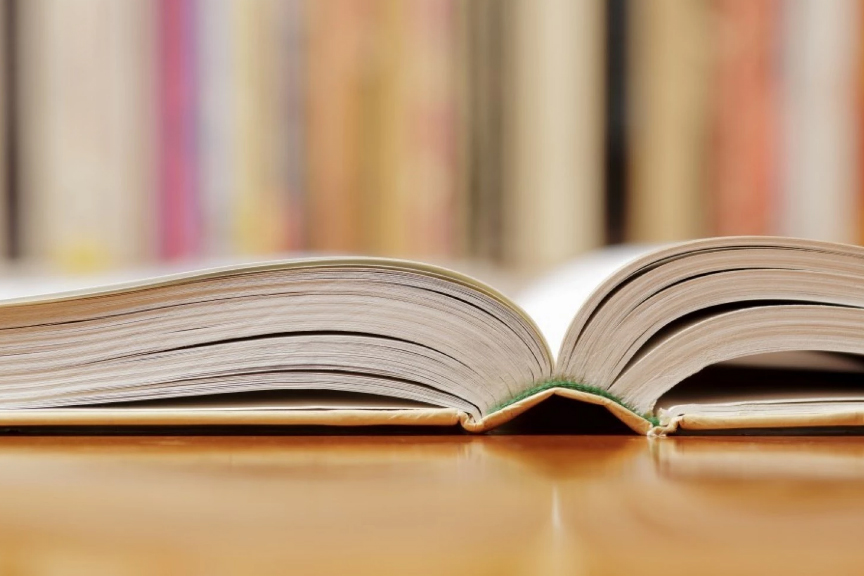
column 360, row 341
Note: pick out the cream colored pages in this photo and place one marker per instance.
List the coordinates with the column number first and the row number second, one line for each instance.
column 554, row 300
column 410, row 331
column 664, row 317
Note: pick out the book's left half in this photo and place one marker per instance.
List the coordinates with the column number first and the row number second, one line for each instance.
column 335, row 341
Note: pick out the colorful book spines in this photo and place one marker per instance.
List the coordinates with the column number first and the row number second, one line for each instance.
column 393, row 126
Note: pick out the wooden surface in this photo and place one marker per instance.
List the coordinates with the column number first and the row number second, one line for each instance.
column 430, row 505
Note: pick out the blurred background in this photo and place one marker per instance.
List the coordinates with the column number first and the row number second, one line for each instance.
column 519, row 133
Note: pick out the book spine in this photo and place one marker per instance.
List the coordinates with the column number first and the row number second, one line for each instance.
column 554, row 164
column 462, row 55
column 216, row 66
column 430, row 74
column 7, row 100
column 387, row 155
column 860, row 142
column 668, row 108
column 262, row 208
column 295, row 109
column 179, row 206
column 85, row 145
column 485, row 109
column 745, row 118
column 819, row 173
column 337, row 50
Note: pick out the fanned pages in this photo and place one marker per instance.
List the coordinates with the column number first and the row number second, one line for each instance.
column 379, row 327
column 685, row 336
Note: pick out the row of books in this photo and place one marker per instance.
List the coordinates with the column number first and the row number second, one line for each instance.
column 522, row 132
column 745, row 118
column 180, row 128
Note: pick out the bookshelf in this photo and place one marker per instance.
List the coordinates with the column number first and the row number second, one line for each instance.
column 518, row 133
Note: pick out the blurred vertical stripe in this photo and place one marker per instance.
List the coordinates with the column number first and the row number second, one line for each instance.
column 179, row 216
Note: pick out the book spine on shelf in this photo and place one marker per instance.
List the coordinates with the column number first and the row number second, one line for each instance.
column 745, row 121
column 179, row 202
column 860, row 120
column 86, row 88
column 337, row 51
column 668, row 108
column 294, row 106
column 7, row 102
column 430, row 75
column 262, row 208
column 481, row 112
column 554, row 162
column 216, row 66
column 819, row 172
column 386, row 152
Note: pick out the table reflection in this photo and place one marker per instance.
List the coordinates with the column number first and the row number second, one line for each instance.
column 442, row 504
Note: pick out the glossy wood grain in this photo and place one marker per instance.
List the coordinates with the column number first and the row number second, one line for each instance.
column 430, row 505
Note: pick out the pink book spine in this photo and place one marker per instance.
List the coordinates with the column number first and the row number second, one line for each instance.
column 178, row 202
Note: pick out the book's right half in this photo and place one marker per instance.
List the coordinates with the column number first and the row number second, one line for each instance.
column 741, row 333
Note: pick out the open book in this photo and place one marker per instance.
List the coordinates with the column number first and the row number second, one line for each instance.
column 359, row 341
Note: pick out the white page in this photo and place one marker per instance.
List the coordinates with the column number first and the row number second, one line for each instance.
column 554, row 300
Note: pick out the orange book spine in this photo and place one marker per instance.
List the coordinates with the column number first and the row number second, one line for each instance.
column 336, row 55
column 745, row 122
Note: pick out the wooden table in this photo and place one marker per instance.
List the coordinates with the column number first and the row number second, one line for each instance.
column 430, row 505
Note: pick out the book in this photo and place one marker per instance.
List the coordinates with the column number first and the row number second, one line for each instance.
column 819, row 127
column 481, row 53
column 7, row 123
column 217, row 134
column 430, row 91
column 552, row 155
column 337, row 43
column 668, row 100
column 263, row 202
column 364, row 341
column 384, row 152
column 294, row 96
column 744, row 118
column 179, row 204
column 83, row 113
